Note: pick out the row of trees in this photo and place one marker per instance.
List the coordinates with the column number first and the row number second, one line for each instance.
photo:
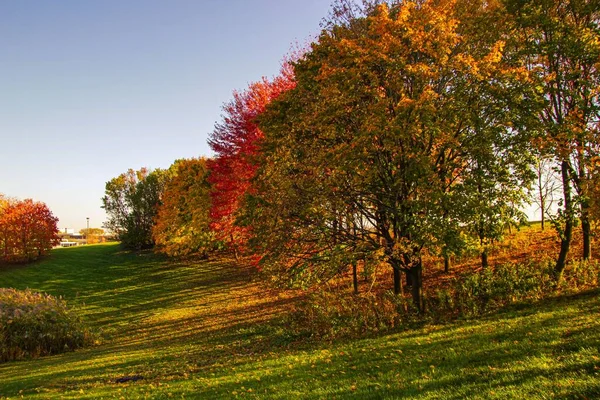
column 407, row 126
column 27, row 230
column 168, row 209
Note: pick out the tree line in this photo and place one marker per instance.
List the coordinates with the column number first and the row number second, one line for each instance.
column 407, row 127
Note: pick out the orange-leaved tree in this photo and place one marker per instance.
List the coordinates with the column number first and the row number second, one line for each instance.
column 404, row 126
column 182, row 225
column 236, row 141
column 27, row 230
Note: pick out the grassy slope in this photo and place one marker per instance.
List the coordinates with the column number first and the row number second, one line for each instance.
column 206, row 330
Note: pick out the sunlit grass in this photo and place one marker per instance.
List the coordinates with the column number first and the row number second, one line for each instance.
column 207, row 330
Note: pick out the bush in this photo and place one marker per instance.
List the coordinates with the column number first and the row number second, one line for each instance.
column 327, row 315
column 330, row 315
column 490, row 289
column 34, row 325
column 582, row 274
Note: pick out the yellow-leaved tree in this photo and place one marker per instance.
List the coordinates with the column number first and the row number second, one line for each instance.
column 403, row 130
column 182, row 225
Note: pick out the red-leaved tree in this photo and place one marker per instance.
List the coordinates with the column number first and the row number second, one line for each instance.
column 236, row 142
column 27, row 230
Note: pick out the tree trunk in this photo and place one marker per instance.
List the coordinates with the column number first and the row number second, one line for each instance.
column 565, row 240
column 354, row 278
column 484, row 259
column 409, row 279
column 446, row 263
column 416, row 274
column 234, row 248
column 582, row 189
column 542, row 197
column 542, row 212
column 587, row 232
column 482, row 243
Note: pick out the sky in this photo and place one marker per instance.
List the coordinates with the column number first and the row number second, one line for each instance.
column 89, row 89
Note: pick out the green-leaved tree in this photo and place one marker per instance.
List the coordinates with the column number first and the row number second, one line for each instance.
column 395, row 116
column 131, row 202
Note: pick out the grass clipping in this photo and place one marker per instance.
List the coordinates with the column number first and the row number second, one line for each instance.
column 34, row 325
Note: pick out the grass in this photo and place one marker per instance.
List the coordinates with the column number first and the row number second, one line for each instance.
column 207, row 330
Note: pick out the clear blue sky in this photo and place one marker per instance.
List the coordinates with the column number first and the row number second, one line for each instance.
column 89, row 89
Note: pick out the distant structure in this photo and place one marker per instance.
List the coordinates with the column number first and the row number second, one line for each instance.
column 69, row 238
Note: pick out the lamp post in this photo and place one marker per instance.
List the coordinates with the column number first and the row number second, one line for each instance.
column 87, row 232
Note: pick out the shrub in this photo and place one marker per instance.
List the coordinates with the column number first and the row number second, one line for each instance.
column 491, row 289
column 582, row 274
column 327, row 315
column 34, row 325
column 330, row 315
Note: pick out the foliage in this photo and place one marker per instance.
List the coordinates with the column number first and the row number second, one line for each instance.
column 27, row 230
column 182, row 225
column 34, row 325
column 402, row 129
column 91, row 231
column 491, row 289
column 329, row 315
column 92, row 235
column 235, row 142
column 131, row 202
column 561, row 42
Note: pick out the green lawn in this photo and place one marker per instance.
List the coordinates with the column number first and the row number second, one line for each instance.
column 207, row 330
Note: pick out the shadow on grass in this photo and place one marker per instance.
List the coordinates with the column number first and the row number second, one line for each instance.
column 169, row 321
column 510, row 355
column 156, row 317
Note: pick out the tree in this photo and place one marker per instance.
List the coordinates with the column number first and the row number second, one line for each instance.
column 372, row 151
column 183, row 220
column 91, row 231
column 561, row 43
column 92, row 235
column 4, row 233
column 131, row 202
column 547, row 187
column 27, row 230
column 235, row 142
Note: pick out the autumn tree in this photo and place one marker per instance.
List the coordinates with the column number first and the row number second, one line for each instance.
column 391, row 112
column 27, row 230
column 183, row 220
column 235, row 141
column 561, row 43
column 131, row 202
column 92, row 235
column 4, row 237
